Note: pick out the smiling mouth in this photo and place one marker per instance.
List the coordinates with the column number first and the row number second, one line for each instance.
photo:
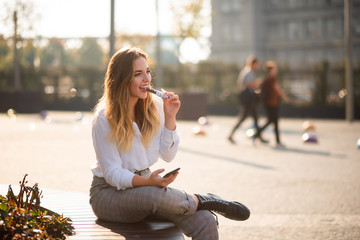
column 143, row 88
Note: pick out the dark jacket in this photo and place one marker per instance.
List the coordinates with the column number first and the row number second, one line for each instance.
column 270, row 92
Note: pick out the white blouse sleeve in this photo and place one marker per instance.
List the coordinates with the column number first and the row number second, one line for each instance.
column 169, row 140
column 108, row 157
column 169, row 144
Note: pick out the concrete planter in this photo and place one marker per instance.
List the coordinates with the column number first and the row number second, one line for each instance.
column 193, row 106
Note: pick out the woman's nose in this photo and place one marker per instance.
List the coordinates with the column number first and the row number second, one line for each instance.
column 147, row 78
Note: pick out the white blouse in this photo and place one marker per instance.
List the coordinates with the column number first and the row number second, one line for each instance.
column 117, row 167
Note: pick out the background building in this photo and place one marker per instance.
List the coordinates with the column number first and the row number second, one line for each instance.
column 296, row 33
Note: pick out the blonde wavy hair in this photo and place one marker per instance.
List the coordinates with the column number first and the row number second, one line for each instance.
column 115, row 99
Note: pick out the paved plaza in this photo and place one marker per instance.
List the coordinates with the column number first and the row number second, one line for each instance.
column 303, row 191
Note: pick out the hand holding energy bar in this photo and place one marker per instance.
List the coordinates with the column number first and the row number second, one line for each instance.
column 157, row 92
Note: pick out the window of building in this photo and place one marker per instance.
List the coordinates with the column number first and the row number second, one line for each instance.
column 274, row 4
column 333, row 27
column 272, row 31
column 294, row 31
column 334, row 2
column 236, row 5
column 313, row 28
column 237, row 33
column 225, row 6
column 230, row 6
column 356, row 25
column 281, row 30
column 295, row 3
column 316, row 3
column 226, row 33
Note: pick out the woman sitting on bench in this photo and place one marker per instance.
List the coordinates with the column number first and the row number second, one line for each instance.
column 131, row 129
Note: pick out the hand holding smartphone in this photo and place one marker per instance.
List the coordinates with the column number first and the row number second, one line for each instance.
column 171, row 173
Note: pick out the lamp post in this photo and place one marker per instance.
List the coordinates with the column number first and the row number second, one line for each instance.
column 349, row 82
column 17, row 83
column 159, row 81
column 112, row 29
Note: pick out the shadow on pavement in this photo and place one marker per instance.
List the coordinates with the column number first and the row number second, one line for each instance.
column 229, row 159
column 311, row 152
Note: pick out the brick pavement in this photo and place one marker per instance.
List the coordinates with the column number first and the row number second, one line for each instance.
column 304, row 191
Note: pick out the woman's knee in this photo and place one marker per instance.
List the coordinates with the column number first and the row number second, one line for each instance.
column 208, row 225
column 210, row 219
column 173, row 201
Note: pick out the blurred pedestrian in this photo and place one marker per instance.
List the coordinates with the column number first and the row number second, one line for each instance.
column 248, row 96
column 131, row 130
column 271, row 94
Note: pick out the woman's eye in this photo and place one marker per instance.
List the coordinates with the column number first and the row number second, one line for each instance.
column 139, row 73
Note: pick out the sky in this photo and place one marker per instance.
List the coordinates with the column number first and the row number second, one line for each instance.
column 78, row 18
column 91, row 18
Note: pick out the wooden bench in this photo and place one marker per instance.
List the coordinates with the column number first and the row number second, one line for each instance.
column 76, row 206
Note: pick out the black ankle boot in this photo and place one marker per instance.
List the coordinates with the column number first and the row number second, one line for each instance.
column 231, row 210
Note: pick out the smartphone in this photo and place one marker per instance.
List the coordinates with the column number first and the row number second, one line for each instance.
column 171, row 173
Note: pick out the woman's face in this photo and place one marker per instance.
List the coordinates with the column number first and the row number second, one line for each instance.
column 141, row 79
column 273, row 72
column 255, row 66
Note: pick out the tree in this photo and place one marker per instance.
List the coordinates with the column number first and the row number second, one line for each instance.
column 26, row 16
column 29, row 53
column 90, row 53
column 190, row 19
column 21, row 16
column 6, row 66
column 53, row 55
column 4, row 49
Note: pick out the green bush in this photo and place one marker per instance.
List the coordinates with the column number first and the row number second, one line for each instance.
column 22, row 217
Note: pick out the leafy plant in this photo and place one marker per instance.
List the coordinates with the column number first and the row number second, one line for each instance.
column 22, row 217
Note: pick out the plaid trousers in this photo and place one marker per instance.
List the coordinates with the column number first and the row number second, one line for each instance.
column 134, row 204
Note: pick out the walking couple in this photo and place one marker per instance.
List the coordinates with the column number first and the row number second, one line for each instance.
column 251, row 91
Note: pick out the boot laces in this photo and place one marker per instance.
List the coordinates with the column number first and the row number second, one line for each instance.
column 217, row 205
